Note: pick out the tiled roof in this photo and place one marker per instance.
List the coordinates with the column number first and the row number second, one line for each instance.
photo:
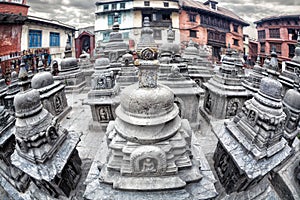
column 220, row 11
column 277, row 17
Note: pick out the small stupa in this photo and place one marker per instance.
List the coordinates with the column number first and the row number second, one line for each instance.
column 3, row 90
column 45, row 151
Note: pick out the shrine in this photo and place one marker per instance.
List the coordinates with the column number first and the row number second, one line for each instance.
column 138, row 157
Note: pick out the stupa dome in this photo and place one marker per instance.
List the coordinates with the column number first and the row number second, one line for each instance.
column 27, row 103
column 41, row 80
column 68, row 63
column 291, row 99
column 147, row 106
column 271, row 88
column 102, row 61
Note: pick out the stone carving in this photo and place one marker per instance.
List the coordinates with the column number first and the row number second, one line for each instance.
column 290, row 75
column 42, row 145
column 70, row 74
column 116, row 47
column 225, row 88
column 52, row 94
column 148, row 146
column 10, row 176
column 292, row 111
column 105, row 114
column 12, row 90
column 252, row 82
column 148, row 161
column 200, row 69
column 233, row 107
column 251, row 145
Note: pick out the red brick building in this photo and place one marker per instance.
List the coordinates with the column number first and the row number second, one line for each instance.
column 12, row 16
column 278, row 32
column 208, row 24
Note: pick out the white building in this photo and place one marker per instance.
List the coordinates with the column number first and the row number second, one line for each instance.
column 162, row 14
column 39, row 33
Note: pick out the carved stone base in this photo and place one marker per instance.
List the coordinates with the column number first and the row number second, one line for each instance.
column 98, row 190
column 58, row 175
column 236, row 167
column 286, row 179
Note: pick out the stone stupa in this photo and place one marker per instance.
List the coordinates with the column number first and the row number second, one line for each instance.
column 45, row 151
column 69, row 73
column 292, row 69
column 149, row 152
column 252, row 82
column 224, row 92
column 199, row 68
column 52, row 94
column 187, row 92
column 251, row 145
column 12, row 90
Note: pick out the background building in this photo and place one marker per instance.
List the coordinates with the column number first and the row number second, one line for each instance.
column 162, row 14
column 12, row 17
column 209, row 24
column 279, row 32
column 52, row 35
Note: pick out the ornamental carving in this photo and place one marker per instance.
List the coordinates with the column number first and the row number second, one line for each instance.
column 233, row 107
column 148, row 161
column 104, row 113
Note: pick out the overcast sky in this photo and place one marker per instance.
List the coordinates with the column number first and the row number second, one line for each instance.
column 80, row 13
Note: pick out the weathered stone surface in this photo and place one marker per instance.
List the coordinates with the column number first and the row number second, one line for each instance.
column 149, row 147
column 116, row 47
column 44, row 150
column 70, row 74
column 252, row 82
column 292, row 69
column 199, row 68
column 224, row 93
column 52, row 94
column 13, row 89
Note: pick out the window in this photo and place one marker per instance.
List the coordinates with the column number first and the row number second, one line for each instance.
column 261, row 34
column 35, row 38
column 166, row 4
column 192, row 17
column 193, row 33
column 274, row 33
column 213, row 6
column 105, row 7
column 157, row 34
column 114, row 6
column 125, row 35
column 110, row 19
column 262, row 47
column 54, row 39
column 146, row 3
column 106, row 37
column 276, row 47
column 293, row 33
column 235, row 42
column 166, row 16
column 291, row 50
column 236, row 28
column 122, row 6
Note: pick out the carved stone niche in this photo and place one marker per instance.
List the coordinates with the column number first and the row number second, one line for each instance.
column 233, row 107
column 148, row 161
column 208, row 102
column 232, row 179
column 104, row 113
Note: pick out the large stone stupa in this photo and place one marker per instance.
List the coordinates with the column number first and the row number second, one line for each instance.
column 149, row 152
